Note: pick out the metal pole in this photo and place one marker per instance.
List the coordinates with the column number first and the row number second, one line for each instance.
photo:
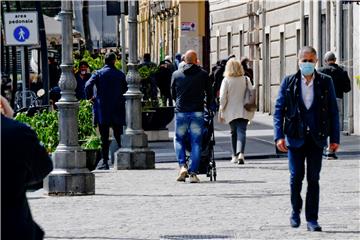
column 134, row 152
column 23, row 77
column 70, row 175
column 44, row 54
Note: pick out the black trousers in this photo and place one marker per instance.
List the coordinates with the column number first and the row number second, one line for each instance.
column 104, row 134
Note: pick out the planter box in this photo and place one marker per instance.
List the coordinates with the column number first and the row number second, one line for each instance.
column 157, row 118
column 92, row 158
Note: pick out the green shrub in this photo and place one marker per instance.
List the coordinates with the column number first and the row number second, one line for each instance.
column 46, row 126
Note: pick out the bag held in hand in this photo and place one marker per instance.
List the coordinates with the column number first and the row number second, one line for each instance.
column 250, row 98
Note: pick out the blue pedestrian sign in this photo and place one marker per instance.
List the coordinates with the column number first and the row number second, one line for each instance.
column 21, row 28
column 21, row 33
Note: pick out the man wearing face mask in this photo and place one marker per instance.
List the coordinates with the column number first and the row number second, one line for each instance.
column 305, row 115
column 81, row 77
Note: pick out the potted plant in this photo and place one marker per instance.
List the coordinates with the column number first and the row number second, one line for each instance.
column 46, row 126
column 88, row 138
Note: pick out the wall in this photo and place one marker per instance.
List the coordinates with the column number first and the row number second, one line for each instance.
column 281, row 22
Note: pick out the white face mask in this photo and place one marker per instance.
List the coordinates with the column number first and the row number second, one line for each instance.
column 82, row 72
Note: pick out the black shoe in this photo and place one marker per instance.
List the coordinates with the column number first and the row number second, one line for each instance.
column 103, row 166
column 331, row 156
column 313, row 226
column 295, row 220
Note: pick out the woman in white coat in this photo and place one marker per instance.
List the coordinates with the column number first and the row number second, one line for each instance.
column 232, row 111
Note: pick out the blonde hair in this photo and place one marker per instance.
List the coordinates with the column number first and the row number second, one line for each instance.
column 233, row 68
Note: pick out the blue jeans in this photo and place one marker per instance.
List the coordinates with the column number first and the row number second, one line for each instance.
column 188, row 127
column 313, row 155
column 238, row 135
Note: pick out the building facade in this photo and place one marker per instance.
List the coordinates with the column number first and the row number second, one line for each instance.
column 167, row 27
column 271, row 32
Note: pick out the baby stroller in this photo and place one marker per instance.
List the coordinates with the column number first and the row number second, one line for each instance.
column 207, row 163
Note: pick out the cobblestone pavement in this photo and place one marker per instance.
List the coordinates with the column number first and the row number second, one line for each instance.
column 248, row 201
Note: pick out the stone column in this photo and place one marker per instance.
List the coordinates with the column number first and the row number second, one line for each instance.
column 70, row 175
column 134, row 152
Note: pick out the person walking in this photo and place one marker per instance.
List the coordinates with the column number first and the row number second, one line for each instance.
column 190, row 85
column 81, row 78
column 24, row 161
column 247, row 69
column 305, row 115
column 231, row 110
column 342, row 85
column 163, row 81
column 109, row 103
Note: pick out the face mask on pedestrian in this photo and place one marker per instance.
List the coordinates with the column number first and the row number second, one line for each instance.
column 307, row 68
column 83, row 72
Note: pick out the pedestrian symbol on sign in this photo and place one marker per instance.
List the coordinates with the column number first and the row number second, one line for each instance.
column 21, row 33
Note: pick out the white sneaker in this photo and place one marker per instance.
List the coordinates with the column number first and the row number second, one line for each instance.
column 233, row 159
column 182, row 174
column 241, row 158
column 194, row 178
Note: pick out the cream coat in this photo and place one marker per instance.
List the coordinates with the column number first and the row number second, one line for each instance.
column 232, row 93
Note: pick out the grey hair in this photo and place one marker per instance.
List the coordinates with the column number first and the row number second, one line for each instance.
column 306, row 49
column 329, row 56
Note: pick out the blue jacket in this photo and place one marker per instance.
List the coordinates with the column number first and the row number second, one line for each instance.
column 291, row 121
column 109, row 102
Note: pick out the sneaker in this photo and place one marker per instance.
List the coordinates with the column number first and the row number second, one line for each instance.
column 104, row 166
column 233, row 159
column 182, row 174
column 194, row 178
column 241, row 158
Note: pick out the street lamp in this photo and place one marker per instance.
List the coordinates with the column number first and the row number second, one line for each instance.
column 70, row 175
column 134, row 152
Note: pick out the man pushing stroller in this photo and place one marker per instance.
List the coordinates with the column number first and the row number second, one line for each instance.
column 189, row 85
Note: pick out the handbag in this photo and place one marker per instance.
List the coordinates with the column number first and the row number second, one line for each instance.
column 250, row 98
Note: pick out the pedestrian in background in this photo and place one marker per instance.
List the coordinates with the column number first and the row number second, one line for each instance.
column 190, row 86
column 248, row 71
column 22, row 152
column 177, row 60
column 109, row 103
column 81, row 78
column 305, row 115
column 163, row 81
column 231, row 110
column 342, row 85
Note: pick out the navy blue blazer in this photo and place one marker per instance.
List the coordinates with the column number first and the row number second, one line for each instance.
column 109, row 103
column 23, row 161
column 289, row 122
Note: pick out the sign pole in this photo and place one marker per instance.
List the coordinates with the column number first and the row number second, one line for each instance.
column 23, row 77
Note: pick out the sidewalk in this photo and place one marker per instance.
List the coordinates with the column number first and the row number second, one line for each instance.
column 259, row 142
column 250, row 201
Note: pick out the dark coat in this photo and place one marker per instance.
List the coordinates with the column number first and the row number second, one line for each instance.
column 80, row 85
column 340, row 78
column 23, row 162
column 289, row 119
column 109, row 102
column 189, row 86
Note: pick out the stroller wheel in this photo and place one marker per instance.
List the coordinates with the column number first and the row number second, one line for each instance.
column 214, row 173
